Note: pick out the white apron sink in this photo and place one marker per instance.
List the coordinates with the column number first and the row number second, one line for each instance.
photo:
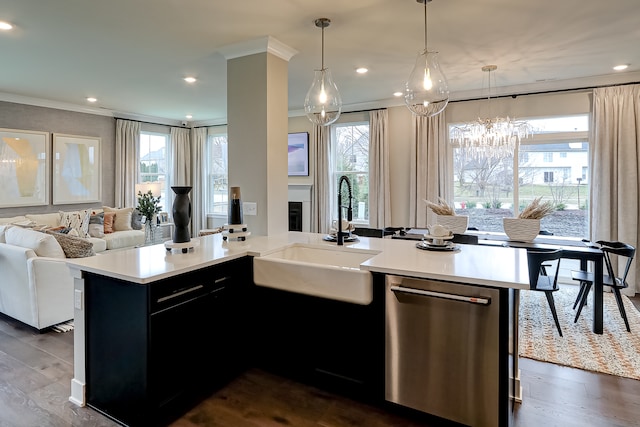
column 317, row 270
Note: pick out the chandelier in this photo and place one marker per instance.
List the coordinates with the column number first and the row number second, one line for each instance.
column 495, row 137
column 323, row 103
column 426, row 90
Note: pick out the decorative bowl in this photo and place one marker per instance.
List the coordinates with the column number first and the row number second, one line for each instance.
column 521, row 230
column 456, row 223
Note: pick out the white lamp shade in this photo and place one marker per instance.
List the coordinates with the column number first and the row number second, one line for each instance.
column 144, row 187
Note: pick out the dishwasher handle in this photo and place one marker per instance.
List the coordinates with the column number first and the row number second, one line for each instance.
column 461, row 298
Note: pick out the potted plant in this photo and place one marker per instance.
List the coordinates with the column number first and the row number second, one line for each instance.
column 446, row 216
column 148, row 205
column 526, row 226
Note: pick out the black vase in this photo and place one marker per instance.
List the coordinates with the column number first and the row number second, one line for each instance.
column 181, row 214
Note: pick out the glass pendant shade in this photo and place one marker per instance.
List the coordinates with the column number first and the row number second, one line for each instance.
column 426, row 91
column 323, row 103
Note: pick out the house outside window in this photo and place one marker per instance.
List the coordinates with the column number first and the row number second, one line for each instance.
column 350, row 146
column 488, row 189
column 153, row 161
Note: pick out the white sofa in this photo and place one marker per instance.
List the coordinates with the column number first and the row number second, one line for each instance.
column 117, row 240
column 36, row 286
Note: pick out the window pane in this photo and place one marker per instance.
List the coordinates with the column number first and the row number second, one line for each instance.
column 483, row 189
column 153, row 161
column 563, row 182
column 217, row 176
column 351, row 158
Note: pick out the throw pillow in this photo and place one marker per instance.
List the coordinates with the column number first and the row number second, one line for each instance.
column 73, row 247
column 41, row 243
column 136, row 220
column 77, row 220
column 123, row 218
column 3, row 228
column 109, row 218
column 96, row 225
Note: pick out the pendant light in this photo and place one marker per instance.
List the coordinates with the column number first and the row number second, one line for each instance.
column 323, row 103
column 426, row 91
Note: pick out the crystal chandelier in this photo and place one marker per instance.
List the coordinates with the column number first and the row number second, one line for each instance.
column 495, row 137
column 323, row 103
column 426, row 90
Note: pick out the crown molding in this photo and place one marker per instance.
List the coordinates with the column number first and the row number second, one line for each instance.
column 46, row 103
column 260, row 45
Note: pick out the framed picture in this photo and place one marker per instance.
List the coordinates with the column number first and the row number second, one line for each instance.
column 76, row 169
column 299, row 154
column 24, row 168
column 163, row 217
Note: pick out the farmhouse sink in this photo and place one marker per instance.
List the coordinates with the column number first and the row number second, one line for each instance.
column 317, row 270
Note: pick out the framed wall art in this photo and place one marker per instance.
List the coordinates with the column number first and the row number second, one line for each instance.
column 299, row 154
column 76, row 169
column 24, row 168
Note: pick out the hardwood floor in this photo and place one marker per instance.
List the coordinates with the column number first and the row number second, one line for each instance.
column 36, row 370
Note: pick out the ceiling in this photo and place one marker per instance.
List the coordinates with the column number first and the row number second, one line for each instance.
column 133, row 55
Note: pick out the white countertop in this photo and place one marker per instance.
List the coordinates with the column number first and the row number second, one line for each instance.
column 472, row 264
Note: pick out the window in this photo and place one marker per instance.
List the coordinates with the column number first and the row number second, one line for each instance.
column 563, row 155
column 217, row 176
column 153, row 163
column 488, row 190
column 350, row 143
column 548, row 177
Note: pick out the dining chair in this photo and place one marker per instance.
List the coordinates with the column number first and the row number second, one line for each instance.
column 467, row 239
column 616, row 283
column 539, row 280
column 368, row 232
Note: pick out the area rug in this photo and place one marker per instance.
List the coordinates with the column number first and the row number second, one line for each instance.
column 63, row 327
column 615, row 352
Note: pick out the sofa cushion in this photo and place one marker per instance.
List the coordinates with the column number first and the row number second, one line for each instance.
column 3, row 228
column 13, row 219
column 136, row 219
column 73, row 247
column 77, row 220
column 96, row 225
column 124, row 239
column 48, row 219
column 109, row 218
column 123, row 218
column 42, row 244
column 99, row 245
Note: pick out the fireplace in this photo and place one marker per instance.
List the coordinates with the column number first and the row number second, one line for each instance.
column 295, row 216
column 300, row 208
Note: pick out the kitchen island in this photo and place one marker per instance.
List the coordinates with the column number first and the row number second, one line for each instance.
column 153, row 277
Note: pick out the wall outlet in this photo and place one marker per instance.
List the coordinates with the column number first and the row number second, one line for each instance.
column 249, row 208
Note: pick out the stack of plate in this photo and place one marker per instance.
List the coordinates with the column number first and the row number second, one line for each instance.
column 432, row 243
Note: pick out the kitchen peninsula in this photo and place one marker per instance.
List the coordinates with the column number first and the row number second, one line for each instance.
column 154, row 329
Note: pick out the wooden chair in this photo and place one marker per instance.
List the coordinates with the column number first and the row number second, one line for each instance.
column 540, row 281
column 617, row 249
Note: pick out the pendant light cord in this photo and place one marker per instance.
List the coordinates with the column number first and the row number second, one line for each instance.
column 322, row 49
column 425, row 25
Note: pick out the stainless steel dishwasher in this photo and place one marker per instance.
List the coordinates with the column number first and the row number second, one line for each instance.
column 442, row 349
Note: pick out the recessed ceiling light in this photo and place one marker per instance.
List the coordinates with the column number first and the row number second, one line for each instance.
column 620, row 67
column 5, row 25
column 397, row 93
column 92, row 99
column 189, row 116
column 361, row 70
column 190, row 79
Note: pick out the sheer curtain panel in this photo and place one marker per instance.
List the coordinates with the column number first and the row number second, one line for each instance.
column 200, row 191
column 431, row 176
column 322, row 188
column 615, row 185
column 379, row 187
column 127, row 150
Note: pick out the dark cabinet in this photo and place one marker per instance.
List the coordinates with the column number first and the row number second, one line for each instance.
column 155, row 349
column 332, row 344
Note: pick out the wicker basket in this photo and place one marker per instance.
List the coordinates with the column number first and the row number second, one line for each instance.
column 521, row 230
column 455, row 223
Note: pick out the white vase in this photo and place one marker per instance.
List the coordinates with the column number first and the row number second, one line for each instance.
column 455, row 223
column 521, row 230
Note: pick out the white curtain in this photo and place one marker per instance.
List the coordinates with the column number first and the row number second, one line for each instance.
column 127, row 150
column 199, row 180
column 615, row 160
column 180, row 162
column 322, row 188
column 431, row 175
column 379, row 187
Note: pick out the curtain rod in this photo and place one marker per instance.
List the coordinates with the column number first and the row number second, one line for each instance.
column 150, row 123
column 544, row 92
